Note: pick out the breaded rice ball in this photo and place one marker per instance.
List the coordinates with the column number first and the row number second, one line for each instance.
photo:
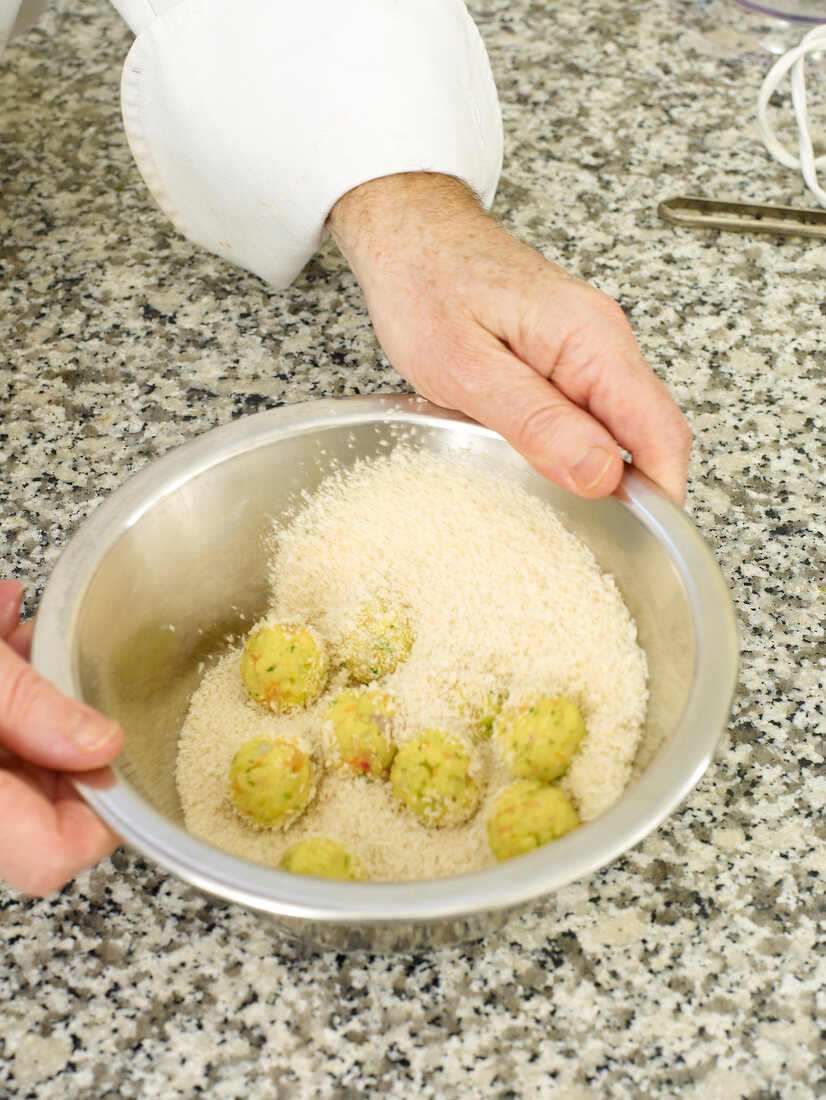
column 357, row 727
column 527, row 815
column 538, row 739
column 431, row 776
column 378, row 640
column 480, row 707
column 270, row 781
column 284, row 666
column 323, row 858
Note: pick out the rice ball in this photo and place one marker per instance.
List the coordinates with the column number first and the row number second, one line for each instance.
column 322, row 857
column 284, row 666
column 357, row 726
column 527, row 815
column 377, row 641
column 538, row 739
column 270, row 781
column 431, row 776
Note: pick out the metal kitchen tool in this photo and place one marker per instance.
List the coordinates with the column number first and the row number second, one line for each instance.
column 743, row 217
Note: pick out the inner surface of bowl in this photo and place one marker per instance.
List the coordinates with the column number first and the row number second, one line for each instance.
column 149, row 592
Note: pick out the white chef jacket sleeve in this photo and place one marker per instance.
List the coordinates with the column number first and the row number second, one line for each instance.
column 249, row 119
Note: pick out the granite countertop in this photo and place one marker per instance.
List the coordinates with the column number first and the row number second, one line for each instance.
column 692, row 967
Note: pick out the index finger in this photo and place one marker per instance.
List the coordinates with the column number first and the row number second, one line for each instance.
column 40, row 724
column 587, row 350
column 649, row 426
column 626, row 396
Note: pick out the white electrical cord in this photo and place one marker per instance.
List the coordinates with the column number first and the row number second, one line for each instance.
column 806, row 161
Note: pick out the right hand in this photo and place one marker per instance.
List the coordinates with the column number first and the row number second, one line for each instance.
column 47, row 832
column 477, row 321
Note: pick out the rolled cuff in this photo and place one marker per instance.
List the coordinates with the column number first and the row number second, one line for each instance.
column 248, row 122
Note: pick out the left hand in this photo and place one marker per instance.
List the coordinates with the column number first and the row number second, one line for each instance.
column 477, row 321
column 47, row 832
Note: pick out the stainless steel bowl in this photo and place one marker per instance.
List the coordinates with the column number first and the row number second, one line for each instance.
column 174, row 561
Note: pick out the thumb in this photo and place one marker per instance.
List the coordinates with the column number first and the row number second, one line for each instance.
column 39, row 724
column 559, row 439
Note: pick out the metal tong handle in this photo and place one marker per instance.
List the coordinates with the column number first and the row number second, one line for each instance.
column 743, row 217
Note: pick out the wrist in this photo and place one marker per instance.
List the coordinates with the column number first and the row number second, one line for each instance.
column 370, row 222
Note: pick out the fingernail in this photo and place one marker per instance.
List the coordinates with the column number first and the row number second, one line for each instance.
column 90, row 732
column 591, row 467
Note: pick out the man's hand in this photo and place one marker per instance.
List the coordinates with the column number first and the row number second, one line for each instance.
column 47, row 833
column 479, row 322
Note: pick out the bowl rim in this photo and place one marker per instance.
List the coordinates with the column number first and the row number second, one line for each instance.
column 668, row 779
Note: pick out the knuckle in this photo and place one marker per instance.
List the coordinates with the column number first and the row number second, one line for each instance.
column 40, row 883
column 20, row 687
column 613, row 310
column 684, row 437
column 461, row 367
column 597, row 301
column 539, row 427
column 680, row 435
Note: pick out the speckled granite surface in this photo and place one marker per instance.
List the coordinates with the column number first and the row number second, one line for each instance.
column 693, row 967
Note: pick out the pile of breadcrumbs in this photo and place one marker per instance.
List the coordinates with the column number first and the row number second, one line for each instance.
column 499, row 594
